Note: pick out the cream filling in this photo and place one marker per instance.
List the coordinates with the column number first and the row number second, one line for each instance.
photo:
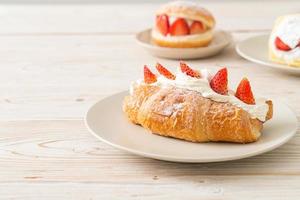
column 172, row 19
column 259, row 110
column 288, row 30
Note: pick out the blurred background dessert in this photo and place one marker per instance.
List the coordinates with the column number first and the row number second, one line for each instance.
column 183, row 24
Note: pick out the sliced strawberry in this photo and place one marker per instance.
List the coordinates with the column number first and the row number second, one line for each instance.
column 179, row 27
column 197, row 27
column 149, row 77
column 163, row 71
column 219, row 82
column 162, row 24
column 280, row 45
column 189, row 71
column 244, row 92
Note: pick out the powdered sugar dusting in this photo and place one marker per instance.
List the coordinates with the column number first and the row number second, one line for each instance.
column 202, row 86
column 171, row 109
column 188, row 4
column 177, row 106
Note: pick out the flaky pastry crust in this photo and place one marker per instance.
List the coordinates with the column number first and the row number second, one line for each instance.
column 185, row 114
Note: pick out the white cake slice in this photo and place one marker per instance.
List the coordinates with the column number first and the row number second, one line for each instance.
column 284, row 42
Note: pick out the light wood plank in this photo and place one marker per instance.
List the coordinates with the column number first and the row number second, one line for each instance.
column 129, row 18
column 60, row 159
column 57, row 60
column 47, row 149
column 204, row 187
column 58, row 77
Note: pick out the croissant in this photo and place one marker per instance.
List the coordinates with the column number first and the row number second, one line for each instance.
column 185, row 114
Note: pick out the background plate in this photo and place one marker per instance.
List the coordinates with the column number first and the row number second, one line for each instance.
column 220, row 41
column 255, row 49
column 108, row 123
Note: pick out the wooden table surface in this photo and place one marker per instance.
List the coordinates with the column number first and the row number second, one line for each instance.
column 57, row 60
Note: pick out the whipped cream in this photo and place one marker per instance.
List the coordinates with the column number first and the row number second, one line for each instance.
column 172, row 19
column 187, row 4
column 288, row 30
column 259, row 110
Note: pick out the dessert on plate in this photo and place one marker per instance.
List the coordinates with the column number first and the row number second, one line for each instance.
column 183, row 24
column 196, row 106
column 284, row 42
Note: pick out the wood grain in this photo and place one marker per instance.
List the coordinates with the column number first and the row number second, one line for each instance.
column 61, row 159
column 54, row 144
column 57, row 60
column 129, row 18
column 60, row 77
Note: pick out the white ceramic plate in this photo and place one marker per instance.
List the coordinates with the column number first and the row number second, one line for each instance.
column 220, row 41
column 255, row 49
column 108, row 123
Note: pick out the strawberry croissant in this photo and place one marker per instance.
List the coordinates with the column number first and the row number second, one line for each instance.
column 192, row 107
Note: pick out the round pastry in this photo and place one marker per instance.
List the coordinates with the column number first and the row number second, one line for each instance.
column 284, row 42
column 183, row 24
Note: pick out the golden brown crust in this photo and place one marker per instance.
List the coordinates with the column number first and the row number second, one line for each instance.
column 140, row 95
column 197, row 42
column 270, row 111
column 188, row 10
column 186, row 115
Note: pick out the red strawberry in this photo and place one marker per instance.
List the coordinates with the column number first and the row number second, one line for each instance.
column 219, row 82
column 149, row 77
column 163, row 71
column 280, row 45
column 189, row 71
column 197, row 27
column 244, row 92
column 179, row 27
column 162, row 24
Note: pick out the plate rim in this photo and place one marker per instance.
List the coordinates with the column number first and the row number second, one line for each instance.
column 187, row 159
column 270, row 64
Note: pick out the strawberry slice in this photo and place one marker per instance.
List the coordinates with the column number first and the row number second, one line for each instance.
column 219, row 82
column 179, row 27
column 197, row 27
column 244, row 92
column 280, row 45
column 163, row 71
column 189, row 71
column 149, row 77
column 162, row 24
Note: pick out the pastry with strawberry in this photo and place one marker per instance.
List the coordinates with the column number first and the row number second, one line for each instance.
column 183, row 24
column 284, row 41
column 196, row 105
